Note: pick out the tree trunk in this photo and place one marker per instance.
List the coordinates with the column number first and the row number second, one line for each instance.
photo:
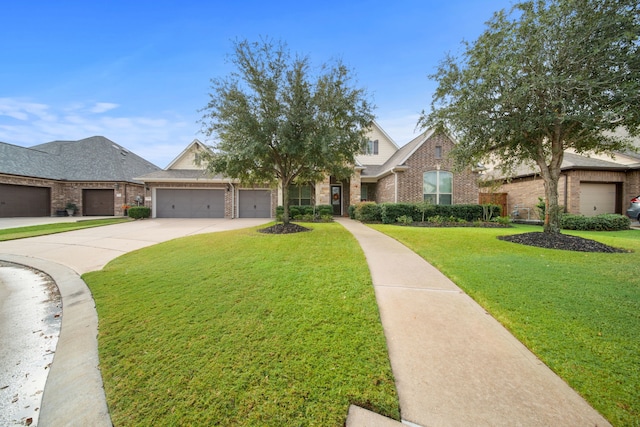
column 552, row 210
column 285, row 203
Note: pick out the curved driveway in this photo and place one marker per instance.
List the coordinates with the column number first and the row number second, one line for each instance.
column 74, row 394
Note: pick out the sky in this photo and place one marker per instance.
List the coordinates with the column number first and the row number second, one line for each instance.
column 139, row 71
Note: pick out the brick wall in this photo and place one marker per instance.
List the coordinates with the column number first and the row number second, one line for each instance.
column 424, row 159
column 524, row 192
column 65, row 192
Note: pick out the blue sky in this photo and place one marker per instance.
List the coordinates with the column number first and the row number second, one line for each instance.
column 138, row 71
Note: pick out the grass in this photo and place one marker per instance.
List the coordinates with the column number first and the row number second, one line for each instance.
column 578, row 312
column 60, row 227
column 242, row 328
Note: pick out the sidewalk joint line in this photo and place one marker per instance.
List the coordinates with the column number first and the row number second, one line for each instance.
column 418, row 289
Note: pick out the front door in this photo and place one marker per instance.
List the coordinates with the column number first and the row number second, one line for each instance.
column 336, row 199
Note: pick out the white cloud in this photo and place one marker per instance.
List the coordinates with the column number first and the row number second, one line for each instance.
column 156, row 139
column 103, row 107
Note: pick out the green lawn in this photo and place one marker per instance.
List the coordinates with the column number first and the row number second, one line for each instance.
column 578, row 312
column 59, row 227
column 242, row 328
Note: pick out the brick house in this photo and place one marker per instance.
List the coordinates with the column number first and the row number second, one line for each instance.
column 382, row 173
column 94, row 173
column 588, row 185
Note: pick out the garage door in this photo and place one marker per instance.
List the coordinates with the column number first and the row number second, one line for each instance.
column 597, row 198
column 255, row 204
column 189, row 203
column 23, row 200
column 97, row 202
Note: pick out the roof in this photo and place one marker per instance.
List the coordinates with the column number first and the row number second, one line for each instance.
column 91, row 159
column 399, row 158
column 184, row 175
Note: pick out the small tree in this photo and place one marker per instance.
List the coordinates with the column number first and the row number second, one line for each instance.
column 546, row 77
column 275, row 122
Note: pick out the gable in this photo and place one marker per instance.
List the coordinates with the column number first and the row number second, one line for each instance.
column 386, row 147
column 186, row 159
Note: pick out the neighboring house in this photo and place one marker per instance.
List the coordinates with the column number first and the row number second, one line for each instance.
column 382, row 173
column 588, row 185
column 184, row 190
column 94, row 173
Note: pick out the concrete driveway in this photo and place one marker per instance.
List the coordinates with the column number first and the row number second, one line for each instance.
column 74, row 394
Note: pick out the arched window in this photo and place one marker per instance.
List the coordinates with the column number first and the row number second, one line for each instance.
column 437, row 187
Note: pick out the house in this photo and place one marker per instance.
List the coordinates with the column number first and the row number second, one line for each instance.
column 94, row 173
column 589, row 185
column 383, row 172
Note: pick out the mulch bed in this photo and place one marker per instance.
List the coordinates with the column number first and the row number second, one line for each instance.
column 560, row 241
column 284, row 229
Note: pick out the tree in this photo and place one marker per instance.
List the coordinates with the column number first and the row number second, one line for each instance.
column 276, row 123
column 542, row 78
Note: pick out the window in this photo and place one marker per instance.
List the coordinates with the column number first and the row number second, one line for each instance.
column 438, row 151
column 437, row 187
column 299, row 195
column 363, row 193
column 371, row 147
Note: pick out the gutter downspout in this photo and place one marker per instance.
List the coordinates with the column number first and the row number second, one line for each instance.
column 395, row 186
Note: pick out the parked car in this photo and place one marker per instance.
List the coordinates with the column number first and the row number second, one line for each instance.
column 634, row 209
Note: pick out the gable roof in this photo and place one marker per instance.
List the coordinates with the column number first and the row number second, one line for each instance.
column 399, row 158
column 91, row 159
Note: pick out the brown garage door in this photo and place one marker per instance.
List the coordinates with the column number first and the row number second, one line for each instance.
column 23, row 200
column 97, row 202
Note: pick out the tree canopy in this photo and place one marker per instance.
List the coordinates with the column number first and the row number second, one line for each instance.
column 544, row 77
column 274, row 121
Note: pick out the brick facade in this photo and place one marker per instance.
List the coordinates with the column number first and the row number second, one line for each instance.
column 523, row 193
column 71, row 192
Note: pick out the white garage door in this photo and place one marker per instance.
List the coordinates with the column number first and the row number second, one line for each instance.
column 597, row 198
column 255, row 204
column 189, row 203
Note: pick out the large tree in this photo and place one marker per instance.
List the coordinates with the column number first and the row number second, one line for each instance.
column 275, row 121
column 544, row 77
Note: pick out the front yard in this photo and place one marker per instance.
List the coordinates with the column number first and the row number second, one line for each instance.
column 242, row 328
column 579, row 312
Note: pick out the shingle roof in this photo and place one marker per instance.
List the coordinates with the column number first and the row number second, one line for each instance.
column 90, row 159
column 178, row 175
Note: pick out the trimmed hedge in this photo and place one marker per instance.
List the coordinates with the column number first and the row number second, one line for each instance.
column 389, row 213
column 306, row 211
column 368, row 212
column 137, row 212
column 604, row 222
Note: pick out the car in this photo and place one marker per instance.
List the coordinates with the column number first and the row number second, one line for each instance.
column 634, row 209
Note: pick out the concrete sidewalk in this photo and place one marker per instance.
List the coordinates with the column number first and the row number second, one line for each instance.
column 454, row 364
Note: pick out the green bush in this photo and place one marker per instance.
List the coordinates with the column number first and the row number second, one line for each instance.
column 305, row 212
column 352, row 211
column 322, row 210
column 604, row 222
column 137, row 212
column 390, row 212
column 404, row 219
column 368, row 212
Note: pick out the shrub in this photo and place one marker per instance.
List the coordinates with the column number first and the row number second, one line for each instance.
column 137, row 212
column 352, row 211
column 390, row 212
column 322, row 210
column 604, row 222
column 368, row 212
column 504, row 220
column 305, row 212
column 424, row 209
column 404, row 219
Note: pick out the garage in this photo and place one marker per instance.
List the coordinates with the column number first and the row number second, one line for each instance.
column 97, row 202
column 189, row 203
column 597, row 198
column 24, row 201
column 254, row 204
